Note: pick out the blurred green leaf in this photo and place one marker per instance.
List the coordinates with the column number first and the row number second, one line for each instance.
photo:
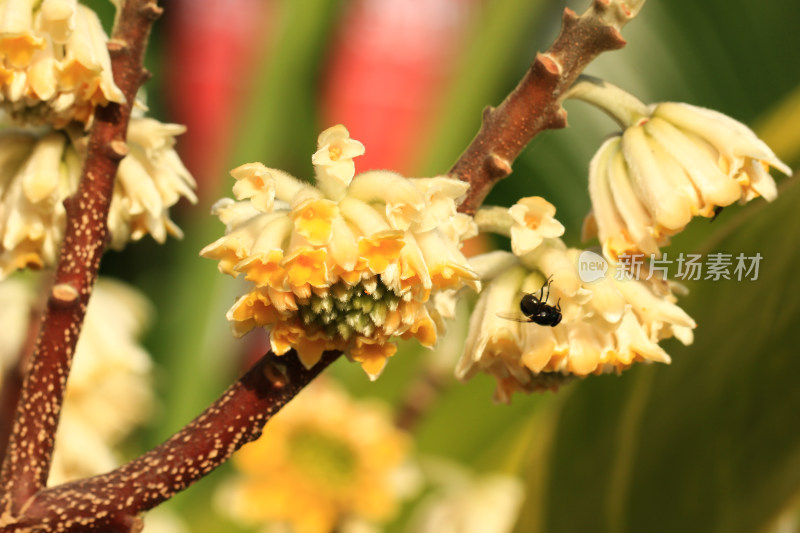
column 779, row 130
column 281, row 118
column 489, row 68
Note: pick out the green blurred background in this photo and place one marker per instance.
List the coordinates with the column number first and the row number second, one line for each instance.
column 710, row 443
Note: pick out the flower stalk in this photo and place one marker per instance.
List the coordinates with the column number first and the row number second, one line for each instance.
column 623, row 107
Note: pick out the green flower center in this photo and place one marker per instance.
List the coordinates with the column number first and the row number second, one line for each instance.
column 345, row 310
column 323, row 457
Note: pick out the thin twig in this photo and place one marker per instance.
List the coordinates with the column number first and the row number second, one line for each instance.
column 110, row 502
column 27, row 463
column 420, row 396
column 535, row 104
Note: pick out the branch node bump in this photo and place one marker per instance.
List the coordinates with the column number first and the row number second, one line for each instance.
column 559, row 120
column 568, row 19
column 498, row 166
column 69, row 203
column 117, row 46
column 65, row 294
column 145, row 76
column 547, row 65
column 152, row 11
column 488, row 111
column 276, row 373
column 615, row 39
column 118, row 149
column 601, row 5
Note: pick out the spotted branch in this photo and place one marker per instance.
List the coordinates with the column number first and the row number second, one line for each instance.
column 535, row 104
column 111, row 502
column 27, row 462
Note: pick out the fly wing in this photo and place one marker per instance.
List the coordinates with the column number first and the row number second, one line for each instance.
column 512, row 316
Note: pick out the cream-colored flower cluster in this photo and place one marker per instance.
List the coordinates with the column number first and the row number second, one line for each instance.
column 109, row 391
column 38, row 171
column 54, row 62
column 317, row 469
column 347, row 264
column 606, row 325
column 670, row 163
column 677, row 161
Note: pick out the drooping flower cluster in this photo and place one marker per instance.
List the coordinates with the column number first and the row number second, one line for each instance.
column 676, row 162
column 38, row 171
column 54, row 62
column 317, row 469
column 347, row 264
column 606, row 325
column 109, row 391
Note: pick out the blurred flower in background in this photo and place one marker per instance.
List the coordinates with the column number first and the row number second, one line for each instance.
column 326, row 462
column 464, row 502
column 159, row 520
column 109, row 391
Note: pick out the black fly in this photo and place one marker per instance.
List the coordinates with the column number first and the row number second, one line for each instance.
column 536, row 310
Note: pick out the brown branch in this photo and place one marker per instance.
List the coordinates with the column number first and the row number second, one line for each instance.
column 535, row 104
column 110, row 502
column 27, row 463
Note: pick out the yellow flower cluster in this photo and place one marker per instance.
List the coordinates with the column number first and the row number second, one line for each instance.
column 347, row 264
column 318, row 469
column 606, row 324
column 38, row 171
column 54, row 62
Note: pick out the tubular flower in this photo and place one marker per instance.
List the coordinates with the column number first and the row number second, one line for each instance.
column 676, row 161
column 54, row 62
column 527, row 223
column 607, row 325
column 347, row 264
column 109, row 391
column 533, row 222
column 38, row 172
column 318, row 469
